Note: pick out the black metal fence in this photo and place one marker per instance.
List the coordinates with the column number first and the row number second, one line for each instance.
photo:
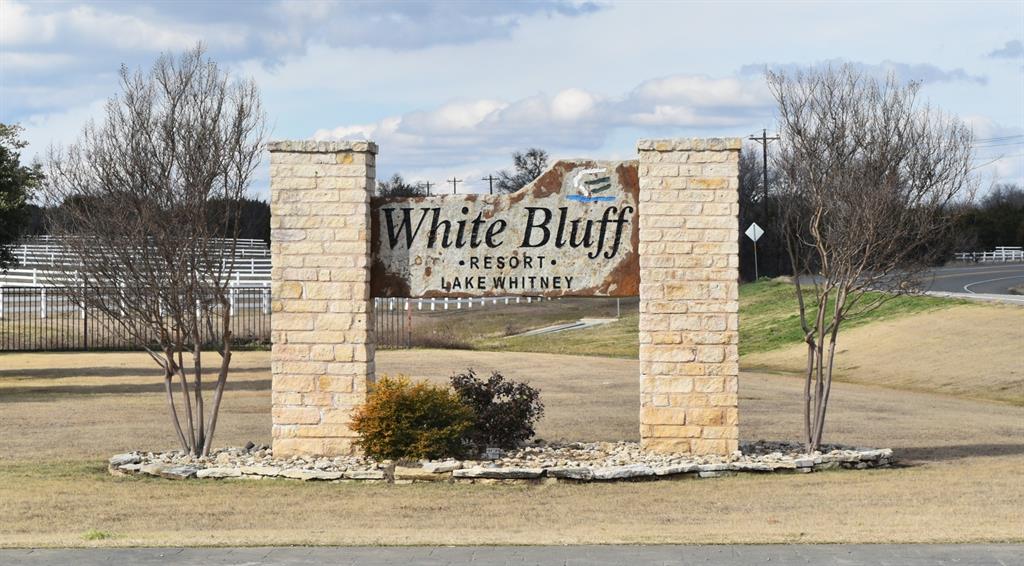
column 392, row 323
column 48, row 319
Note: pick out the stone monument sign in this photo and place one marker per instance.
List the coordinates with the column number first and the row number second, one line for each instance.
column 663, row 227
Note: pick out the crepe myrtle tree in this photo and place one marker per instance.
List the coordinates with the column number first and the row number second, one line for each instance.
column 869, row 177
column 146, row 206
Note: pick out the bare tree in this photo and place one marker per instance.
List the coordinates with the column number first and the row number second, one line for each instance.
column 868, row 178
column 149, row 249
column 526, row 166
column 397, row 186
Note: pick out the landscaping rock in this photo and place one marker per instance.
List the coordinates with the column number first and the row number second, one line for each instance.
column 419, row 474
column 178, row 472
column 118, row 460
column 803, row 462
column 713, row 468
column 219, row 473
column 442, row 467
column 365, row 475
column 576, row 461
column 580, row 474
column 498, row 473
column 676, row 469
column 310, row 475
column 152, row 469
column 623, row 472
column 751, row 467
column 260, row 470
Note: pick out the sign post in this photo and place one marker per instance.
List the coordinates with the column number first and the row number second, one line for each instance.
column 754, row 232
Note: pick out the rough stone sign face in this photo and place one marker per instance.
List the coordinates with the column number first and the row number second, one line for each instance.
column 574, row 231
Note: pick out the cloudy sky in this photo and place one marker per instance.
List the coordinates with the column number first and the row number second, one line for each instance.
column 453, row 88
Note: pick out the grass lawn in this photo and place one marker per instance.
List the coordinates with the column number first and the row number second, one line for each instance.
column 768, row 320
column 63, row 414
column 939, row 385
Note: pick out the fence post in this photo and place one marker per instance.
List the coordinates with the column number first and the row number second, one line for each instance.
column 85, row 322
column 408, row 323
column 1, row 301
column 42, row 303
column 265, row 295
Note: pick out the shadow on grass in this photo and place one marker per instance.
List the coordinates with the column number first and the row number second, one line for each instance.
column 70, row 372
column 19, row 394
column 958, row 452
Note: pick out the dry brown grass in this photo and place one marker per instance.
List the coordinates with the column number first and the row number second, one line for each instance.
column 61, row 415
column 974, row 351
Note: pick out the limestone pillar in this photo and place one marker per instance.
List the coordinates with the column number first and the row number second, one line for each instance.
column 689, row 294
column 321, row 328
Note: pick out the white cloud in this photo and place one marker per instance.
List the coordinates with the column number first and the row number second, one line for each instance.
column 452, row 118
column 573, row 119
column 118, row 29
column 702, row 91
column 571, row 105
column 57, row 128
column 18, row 26
column 32, row 62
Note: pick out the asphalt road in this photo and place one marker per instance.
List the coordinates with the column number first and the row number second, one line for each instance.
column 739, row 555
column 987, row 279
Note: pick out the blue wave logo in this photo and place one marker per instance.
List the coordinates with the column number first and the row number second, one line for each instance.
column 590, row 183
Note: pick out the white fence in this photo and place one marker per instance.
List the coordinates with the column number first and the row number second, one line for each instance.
column 41, row 263
column 454, row 303
column 47, row 301
column 999, row 255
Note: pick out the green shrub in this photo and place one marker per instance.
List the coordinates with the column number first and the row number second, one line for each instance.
column 405, row 419
column 505, row 410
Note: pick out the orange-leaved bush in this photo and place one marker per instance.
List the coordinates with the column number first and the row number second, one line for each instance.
column 406, row 419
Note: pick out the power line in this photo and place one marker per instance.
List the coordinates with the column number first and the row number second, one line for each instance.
column 426, row 184
column 455, row 184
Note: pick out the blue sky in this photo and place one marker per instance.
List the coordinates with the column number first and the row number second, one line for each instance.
column 453, row 88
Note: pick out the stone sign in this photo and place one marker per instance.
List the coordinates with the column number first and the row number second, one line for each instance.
column 663, row 227
column 572, row 232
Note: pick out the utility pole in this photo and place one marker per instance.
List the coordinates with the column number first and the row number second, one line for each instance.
column 427, row 184
column 490, row 183
column 764, row 140
column 455, row 184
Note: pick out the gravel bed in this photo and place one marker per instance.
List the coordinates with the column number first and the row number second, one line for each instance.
column 540, row 461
